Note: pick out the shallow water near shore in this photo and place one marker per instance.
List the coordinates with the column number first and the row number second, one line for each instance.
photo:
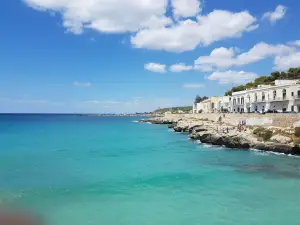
column 109, row 170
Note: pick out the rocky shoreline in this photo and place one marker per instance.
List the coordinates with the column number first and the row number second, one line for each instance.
column 272, row 139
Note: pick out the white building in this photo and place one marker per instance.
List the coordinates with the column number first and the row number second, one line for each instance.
column 284, row 96
column 213, row 105
column 222, row 104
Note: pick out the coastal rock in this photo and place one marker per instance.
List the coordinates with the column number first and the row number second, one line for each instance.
column 217, row 133
column 297, row 128
column 275, row 147
column 171, row 126
column 281, row 139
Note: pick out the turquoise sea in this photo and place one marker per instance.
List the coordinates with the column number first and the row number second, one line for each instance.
column 76, row 170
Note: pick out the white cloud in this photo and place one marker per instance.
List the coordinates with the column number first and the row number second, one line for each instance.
column 186, row 8
column 203, row 68
column 232, row 77
column 155, row 67
column 181, row 67
column 278, row 14
column 149, row 21
column 109, row 16
column 296, row 43
column 82, row 84
column 193, row 85
column 287, row 61
column 188, row 34
column 222, row 58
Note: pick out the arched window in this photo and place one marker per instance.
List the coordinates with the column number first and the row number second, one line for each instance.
column 284, row 94
column 242, row 101
column 263, row 97
column 274, row 94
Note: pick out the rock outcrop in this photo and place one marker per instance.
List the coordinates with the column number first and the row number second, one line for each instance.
column 236, row 137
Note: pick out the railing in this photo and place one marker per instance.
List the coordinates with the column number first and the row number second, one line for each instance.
column 296, row 97
column 277, row 99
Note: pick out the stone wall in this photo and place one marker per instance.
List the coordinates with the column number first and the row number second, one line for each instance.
column 277, row 120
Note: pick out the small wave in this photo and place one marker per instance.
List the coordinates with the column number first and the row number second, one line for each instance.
column 207, row 145
column 135, row 121
column 148, row 122
column 265, row 153
column 170, row 130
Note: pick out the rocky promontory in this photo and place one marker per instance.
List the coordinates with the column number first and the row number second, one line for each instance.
column 238, row 136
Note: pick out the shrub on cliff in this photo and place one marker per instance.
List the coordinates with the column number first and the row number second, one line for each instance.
column 263, row 133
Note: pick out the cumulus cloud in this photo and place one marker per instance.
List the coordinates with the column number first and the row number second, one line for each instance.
column 181, row 67
column 82, row 84
column 278, row 14
column 188, row 34
column 109, row 16
column 193, row 85
column 296, row 43
column 288, row 61
column 186, row 8
column 155, row 67
column 148, row 21
column 203, row 68
column 232, row 77
column 222, row 58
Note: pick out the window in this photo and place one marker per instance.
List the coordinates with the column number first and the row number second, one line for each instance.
column 255, row 97
column 292, row 94
column 263, row 97
column 274, row 95
column 242, row 101
column 239, row 101
column 284, row 94
column 292, row 108
column 298, row 94
column 234, row 101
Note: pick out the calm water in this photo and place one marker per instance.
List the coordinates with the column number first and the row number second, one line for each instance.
column 111, row 171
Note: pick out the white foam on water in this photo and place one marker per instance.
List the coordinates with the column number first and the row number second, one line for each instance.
column 265, row 153
column 135, row 121
column 148, row 122
column 207, row 145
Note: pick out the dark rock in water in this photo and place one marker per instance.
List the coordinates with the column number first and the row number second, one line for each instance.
column 274, row 147
column 295, row 150
column 171, row 126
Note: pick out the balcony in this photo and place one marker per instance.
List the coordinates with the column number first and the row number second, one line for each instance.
column 296, row 97
column 261, row 100
column 278, row 99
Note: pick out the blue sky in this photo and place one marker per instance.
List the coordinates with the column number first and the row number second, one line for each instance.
column 95, row 56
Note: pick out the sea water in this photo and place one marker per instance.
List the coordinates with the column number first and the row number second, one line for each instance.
column 80, row 170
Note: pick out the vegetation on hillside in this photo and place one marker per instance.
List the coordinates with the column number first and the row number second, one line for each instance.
column 185, row 109
column 199, row 99
column 291, row 74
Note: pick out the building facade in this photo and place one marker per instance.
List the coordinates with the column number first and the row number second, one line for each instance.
column 284, row 96
column 213, row 105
